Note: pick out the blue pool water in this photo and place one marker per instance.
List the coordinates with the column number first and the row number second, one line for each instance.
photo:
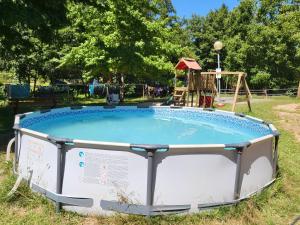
column 149, row 127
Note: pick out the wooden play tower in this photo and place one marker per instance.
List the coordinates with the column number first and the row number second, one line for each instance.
column 200, row 89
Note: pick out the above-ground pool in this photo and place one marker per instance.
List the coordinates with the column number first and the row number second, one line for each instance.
column 144, row 160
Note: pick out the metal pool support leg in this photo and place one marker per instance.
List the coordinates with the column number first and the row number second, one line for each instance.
column 16, row 144
column 275, row 156
column 16, row 151
column 151, row 150
column 59, row 174
column 239, row 151
column 150, row 155
column 237, row 188
column 60, row 143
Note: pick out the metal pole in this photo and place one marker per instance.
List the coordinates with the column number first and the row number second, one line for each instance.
column 16, row 145
column 218, row 79
column 219, row 67
column 16, row 151
column 275, row 157
column 238, row 174
column 58, row 175
column 149, row 200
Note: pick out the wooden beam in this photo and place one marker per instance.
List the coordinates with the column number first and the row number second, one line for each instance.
column 236, row 92
column 247, row 91
column 247, row 88
column 222, row 73
column 192, row 103
column 198, row 97
column 204, row 97
column 188, row 87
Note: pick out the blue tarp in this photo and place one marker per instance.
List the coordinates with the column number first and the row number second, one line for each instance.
column 18, row 91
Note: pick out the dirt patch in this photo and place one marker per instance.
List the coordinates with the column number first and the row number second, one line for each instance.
column 293, row 108
column 290, row 118
column 18, row 211
column 91, row 221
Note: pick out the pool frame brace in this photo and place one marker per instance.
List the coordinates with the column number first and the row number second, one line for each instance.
column 57, row 197
column 149, row 209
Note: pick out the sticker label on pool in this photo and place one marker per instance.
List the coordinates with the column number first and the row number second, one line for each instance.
column 105, row 169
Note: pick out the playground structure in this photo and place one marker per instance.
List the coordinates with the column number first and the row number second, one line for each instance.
column 241, row 83
column 202, row 85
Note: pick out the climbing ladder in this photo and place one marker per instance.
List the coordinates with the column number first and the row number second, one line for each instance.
column 179, row 95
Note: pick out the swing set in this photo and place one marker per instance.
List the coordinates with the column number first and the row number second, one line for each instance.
column 200, row 89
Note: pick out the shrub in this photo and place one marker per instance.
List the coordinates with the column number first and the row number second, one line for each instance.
column 261, row 80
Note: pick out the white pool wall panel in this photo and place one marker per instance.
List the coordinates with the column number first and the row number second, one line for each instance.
column 194, row 176
column 38, row 162
column 256, row 166
column 105, row 174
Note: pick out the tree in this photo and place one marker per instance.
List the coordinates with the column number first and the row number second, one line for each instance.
column 27, row 30
column 204, row 31
column 259, row 36
column 126, row 39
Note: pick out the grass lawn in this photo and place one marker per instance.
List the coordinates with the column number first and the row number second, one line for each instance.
column 278, row 204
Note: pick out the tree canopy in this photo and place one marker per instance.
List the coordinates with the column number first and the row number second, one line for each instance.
column 260, row 37
column 143, row 39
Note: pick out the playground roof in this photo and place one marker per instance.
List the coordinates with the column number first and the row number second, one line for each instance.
column 187, row 63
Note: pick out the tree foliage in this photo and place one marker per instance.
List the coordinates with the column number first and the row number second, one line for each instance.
column 141, row 40
column 261, row 37
column 117, row 37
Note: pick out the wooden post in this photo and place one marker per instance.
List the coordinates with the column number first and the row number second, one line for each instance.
column 214, row 94
column 246, row 87
column 298, row 94
column 266, row 93
column 198, row 89
column 236, row 92
column 247, row 91
column 205, row 90
column 188, row 87
column 192, row 103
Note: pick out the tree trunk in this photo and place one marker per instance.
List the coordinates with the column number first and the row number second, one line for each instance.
column 34, row 84
column 298, row 94
column 28, row 79
column 122, row 88
column 85, row 88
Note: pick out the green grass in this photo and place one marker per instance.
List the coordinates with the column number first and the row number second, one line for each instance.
column 278, row 204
